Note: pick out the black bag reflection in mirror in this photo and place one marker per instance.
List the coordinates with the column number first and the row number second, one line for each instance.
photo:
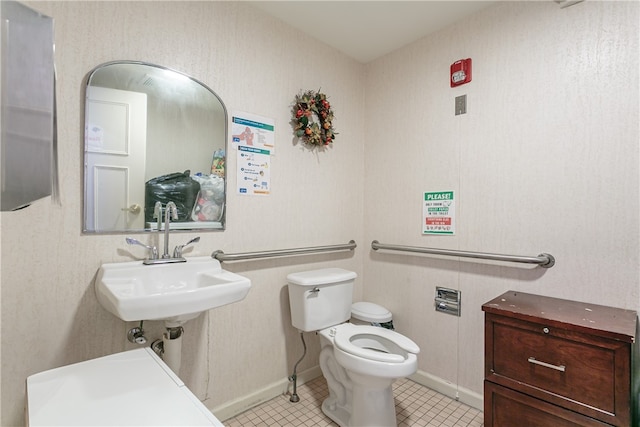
column 177, row 187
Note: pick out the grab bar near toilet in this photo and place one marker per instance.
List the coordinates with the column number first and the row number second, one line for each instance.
column 221, row 256
column 543, row 260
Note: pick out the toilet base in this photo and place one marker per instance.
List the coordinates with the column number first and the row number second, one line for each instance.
column 337, row 414
column 370, row 406
column 338, row 405
column 372, row 402
column 356, row 400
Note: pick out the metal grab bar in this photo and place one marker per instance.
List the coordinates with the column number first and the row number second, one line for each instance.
column 221, row 256
column 543, row 260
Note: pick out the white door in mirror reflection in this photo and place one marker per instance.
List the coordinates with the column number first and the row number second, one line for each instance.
column 115, row 156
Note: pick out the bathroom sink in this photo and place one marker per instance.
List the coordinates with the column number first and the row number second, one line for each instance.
column 174, row 292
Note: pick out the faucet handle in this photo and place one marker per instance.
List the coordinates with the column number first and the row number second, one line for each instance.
column 153, row 251
column 177, row 251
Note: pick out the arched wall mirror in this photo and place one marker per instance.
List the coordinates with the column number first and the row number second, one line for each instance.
column 152, row 135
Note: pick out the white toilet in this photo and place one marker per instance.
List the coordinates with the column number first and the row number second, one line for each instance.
column 359, row 362
column 133, row 388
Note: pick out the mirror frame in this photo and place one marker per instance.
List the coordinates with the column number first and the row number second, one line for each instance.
column 222, row 222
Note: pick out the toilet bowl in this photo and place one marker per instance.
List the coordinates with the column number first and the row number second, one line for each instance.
column 360, row 362
column 133, row 388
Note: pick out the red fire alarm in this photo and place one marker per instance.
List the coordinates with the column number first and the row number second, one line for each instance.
column 460, row 72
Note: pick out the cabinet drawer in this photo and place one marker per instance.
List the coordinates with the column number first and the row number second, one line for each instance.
column 504, row 407
column 580, row 372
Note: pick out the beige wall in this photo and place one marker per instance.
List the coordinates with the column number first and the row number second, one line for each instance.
column 545, row 160
column 50, row 313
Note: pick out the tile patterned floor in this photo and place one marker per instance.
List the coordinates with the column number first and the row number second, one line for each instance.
column 416, row 406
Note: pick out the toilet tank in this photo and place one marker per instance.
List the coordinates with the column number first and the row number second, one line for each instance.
column 320, row 298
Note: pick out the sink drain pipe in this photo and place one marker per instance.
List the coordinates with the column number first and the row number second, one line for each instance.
column 170, row 348
column 294, row 377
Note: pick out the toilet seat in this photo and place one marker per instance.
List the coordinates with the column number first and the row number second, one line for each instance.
column 124, row 389
column 374, row 343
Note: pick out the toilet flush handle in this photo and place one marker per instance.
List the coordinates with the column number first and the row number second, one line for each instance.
column 315, row 290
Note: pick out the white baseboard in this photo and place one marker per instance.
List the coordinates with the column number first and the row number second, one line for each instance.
column 235, row 407
column 450, row 389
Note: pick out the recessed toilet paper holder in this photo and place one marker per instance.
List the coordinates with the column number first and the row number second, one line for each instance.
column 447, row 301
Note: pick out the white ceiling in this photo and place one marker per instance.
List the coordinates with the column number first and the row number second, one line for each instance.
column 366, row 30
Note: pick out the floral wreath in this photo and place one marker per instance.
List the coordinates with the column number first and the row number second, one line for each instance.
column 312, row 132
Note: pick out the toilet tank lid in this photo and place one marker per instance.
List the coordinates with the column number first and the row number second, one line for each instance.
column 321, row 276
column 370, row 312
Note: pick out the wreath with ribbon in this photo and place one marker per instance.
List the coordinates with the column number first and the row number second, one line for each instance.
column 313, row 118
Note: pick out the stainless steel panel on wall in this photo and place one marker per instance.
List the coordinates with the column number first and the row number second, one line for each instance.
column 28, row 105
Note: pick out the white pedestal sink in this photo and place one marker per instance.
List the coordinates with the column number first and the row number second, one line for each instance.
column 175, row 292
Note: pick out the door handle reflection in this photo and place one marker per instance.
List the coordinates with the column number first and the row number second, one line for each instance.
column 134, row 209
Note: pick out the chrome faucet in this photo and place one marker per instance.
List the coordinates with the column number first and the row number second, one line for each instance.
column 170, row 212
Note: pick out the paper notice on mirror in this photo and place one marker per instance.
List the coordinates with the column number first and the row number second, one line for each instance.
column 253, row 131
column 253, row 165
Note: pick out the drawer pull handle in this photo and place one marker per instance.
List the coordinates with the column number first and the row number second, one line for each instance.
column 560, row 368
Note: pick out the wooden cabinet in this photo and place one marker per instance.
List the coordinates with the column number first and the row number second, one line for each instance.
column 555, row 363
